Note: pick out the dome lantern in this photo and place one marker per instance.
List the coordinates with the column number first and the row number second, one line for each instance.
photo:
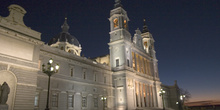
column 65, row 41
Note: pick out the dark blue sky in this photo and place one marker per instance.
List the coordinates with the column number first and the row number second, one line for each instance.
column 187, row 34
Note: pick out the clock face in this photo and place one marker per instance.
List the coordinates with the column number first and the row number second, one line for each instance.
column 115, row 22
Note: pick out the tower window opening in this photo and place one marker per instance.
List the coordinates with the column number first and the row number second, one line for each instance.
column 125, row 23
column 115, row 22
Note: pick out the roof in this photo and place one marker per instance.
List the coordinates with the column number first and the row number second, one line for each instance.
column 64, row 36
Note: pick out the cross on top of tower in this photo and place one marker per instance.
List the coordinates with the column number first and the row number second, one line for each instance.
column 145, row 28
column 65, row 26
column 117, row 4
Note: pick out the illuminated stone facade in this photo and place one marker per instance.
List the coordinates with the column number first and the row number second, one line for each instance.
column 135, row 76
column 126, row 79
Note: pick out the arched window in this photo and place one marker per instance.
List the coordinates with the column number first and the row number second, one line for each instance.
column 115, row 21
column 145, row 45
column 125, row 23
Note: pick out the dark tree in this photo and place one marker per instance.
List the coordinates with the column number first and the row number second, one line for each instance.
column 186, row 93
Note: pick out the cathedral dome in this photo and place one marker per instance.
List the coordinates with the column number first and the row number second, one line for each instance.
column 65, row 41
column 64, row 36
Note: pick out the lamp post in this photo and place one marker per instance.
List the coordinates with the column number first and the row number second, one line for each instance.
column 162, row 92
column 182, row 97
column 49, row 70
column 103, row 100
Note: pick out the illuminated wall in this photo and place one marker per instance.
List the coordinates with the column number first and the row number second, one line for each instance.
column 19, row 56
column 141, row 64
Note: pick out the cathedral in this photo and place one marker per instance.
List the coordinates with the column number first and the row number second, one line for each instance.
column 125, row 79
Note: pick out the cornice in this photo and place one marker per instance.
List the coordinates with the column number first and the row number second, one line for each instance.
column 77, row 82
column 19, row 36
column 6, row 22
column 18, row 63
column 72, row 59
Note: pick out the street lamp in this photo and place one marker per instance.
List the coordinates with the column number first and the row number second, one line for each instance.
column 49, row 70
column 182, row 97
column 103, row 100
column 162, row 92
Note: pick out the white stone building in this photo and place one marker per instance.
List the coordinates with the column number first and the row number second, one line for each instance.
column 127, row 77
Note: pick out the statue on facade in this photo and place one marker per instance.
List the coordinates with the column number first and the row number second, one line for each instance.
column 5, row 90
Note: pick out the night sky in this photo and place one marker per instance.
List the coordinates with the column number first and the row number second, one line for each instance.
column 186, row 33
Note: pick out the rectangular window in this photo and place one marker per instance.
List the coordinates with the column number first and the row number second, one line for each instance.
column 95, row 102
column 84, row 102
column 117, row 62
column 55, row 100
column 84, row 73
column 70, row 100
column 36, row 99
column 71, row 72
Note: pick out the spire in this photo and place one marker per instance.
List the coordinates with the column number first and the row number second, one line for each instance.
column 145, row 28
column 117, row 4
column 65, row 26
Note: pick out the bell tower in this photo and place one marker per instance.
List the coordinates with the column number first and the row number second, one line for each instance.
column 148, row 42
column 120, row 54
column 120, row 38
